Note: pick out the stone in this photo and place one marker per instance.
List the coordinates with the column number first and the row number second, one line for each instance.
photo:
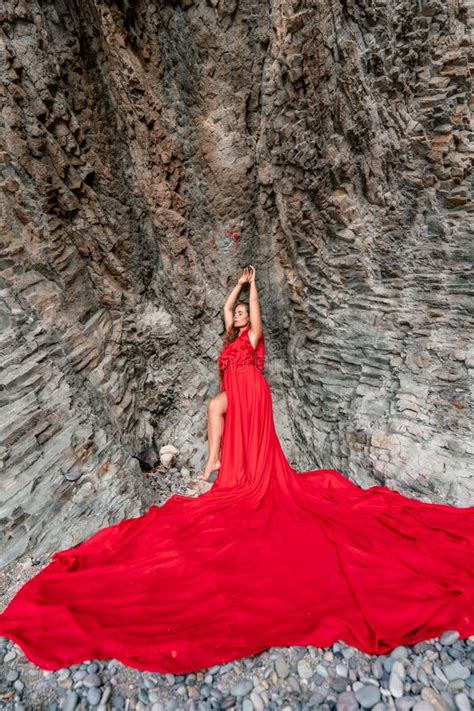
column 167, row 454
column 367, row 696
column 455, row 670
column 304, row 668
column 449, row 637
column 242, row 688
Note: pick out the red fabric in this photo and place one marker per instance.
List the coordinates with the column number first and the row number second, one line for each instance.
column 267, row 557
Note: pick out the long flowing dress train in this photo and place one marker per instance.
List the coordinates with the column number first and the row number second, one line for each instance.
column 268, row 556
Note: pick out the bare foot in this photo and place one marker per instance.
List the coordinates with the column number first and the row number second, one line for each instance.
column 210, row 467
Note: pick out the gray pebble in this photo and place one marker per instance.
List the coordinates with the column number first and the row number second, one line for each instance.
column 92, row 679
column 301, row 652
column 316, row 699
column 377, row 669
column 318, row 679
column 304, row 669
column 143, row 695
column 293, row 682
column 400, row 652
column 12, row 675
column 64, row 674
column 339, row 684
column 247, row 705
column 396, row 679
column 462, row 702
column 395, row 684
column 118, row 702
column 455, row 670
column 227, row 667
column 456, row 684
column 257, row 701
column 70, row 701
column 19, row 686
column 93, row 695
column 321, row 670
column 347, row 701
column 10, row 656
column 449, row 637
column 405, row 703
column 341, row 670
column 205, row 690
column 282, row 668
column 243, row 687
column 423, row 677
column 440, row 674
column 423, row 706
column 367, row 696
column 107, row 691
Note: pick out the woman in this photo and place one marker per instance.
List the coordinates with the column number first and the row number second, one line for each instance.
column 239, row 319
column 268, row 556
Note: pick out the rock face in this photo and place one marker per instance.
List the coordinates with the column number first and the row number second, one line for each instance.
column 150, row 150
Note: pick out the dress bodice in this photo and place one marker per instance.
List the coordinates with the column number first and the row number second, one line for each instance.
column 240, row 353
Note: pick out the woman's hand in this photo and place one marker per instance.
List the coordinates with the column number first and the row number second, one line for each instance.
column 246, row 274
column 252, row 273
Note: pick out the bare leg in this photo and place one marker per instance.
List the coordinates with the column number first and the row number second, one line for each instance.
column 215, row 428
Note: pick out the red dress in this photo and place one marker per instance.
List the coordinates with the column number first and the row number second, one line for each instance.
column 266, row 557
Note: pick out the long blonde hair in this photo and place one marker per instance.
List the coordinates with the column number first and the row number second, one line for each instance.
column 233, row 332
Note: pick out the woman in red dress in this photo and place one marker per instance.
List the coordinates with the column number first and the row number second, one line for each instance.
column 239, row 319
column 268, row 556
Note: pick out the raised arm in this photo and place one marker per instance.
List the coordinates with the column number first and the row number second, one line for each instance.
column 254, row 304
column 229, row 304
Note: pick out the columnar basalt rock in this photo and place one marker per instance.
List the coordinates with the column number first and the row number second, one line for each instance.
column 152, row 149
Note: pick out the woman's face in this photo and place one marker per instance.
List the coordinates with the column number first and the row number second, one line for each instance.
column 240, row 316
